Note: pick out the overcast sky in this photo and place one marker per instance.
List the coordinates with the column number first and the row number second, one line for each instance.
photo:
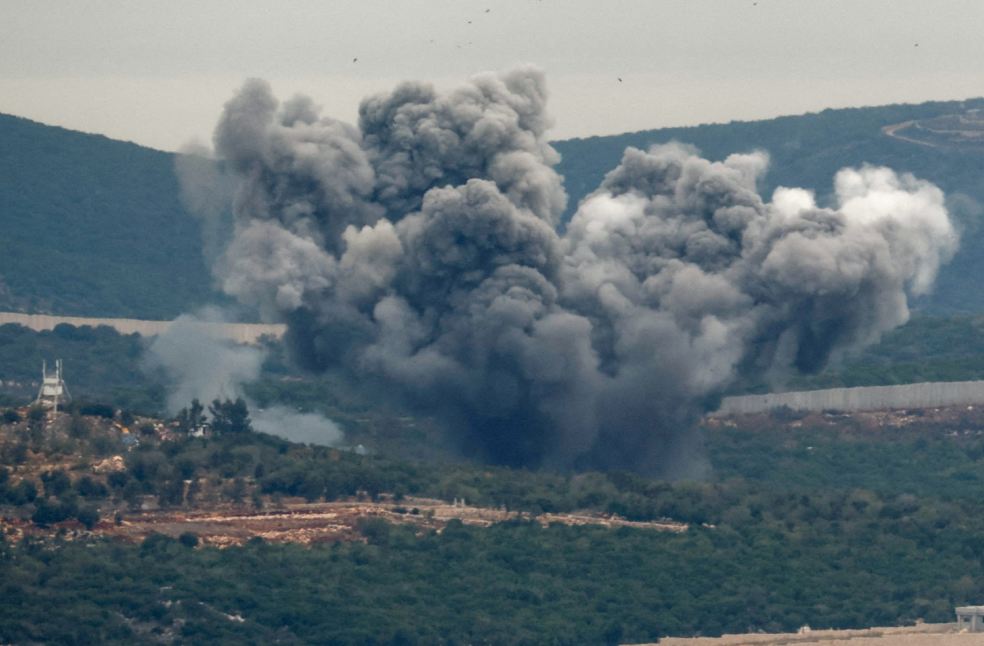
column 158, row 73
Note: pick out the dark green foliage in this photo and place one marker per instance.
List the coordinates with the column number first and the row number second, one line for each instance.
column 88, row 515
column 101, row 366
column 190, row 417
column 87, row 487
column 52, row 510
column 56, row 482
column 10, row 416
column 96, row 410
column 796, row 526
column 230, row 416
column 188, row 539
column 511, row 583
column 23, row 493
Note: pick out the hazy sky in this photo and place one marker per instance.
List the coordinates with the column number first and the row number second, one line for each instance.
column 158, row 72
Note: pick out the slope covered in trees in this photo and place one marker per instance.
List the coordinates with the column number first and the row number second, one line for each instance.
column 93, row 226
column 793, row 526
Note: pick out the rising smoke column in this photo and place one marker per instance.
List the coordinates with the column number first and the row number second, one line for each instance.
column 418, row 254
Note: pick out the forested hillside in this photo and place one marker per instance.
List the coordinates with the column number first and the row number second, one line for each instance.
column 92, row 226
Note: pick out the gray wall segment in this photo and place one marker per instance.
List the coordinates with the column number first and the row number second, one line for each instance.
column 921, row 395
column 248, row 333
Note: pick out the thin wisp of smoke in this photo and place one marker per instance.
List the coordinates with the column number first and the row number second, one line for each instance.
column 418, row 254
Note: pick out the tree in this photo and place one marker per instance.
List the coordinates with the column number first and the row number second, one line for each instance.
column 230, row 416
column 88, row 516
column 35, row 414
column 78, row 427
column 56, row 482
column 191, row 417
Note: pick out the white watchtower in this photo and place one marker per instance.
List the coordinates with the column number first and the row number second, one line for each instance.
column 53, row 388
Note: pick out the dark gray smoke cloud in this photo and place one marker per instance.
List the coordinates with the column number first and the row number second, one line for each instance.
column 418, row 254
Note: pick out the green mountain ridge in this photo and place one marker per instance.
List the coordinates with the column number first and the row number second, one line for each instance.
column 94, row 226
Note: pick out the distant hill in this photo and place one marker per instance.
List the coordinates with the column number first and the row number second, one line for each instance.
column 95, row 227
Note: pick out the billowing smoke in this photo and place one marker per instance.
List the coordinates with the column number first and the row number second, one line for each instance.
column 418, row 254
column 199, row 362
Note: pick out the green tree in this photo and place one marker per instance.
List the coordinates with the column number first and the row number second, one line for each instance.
column 88, row 516
column 230, row 416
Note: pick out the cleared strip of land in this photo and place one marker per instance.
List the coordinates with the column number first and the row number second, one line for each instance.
column 295, row 521
column 239, row 332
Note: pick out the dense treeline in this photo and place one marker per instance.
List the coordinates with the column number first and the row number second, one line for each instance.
column 511, row 583
column 769, row 557
column 100, row 364
column 839, row 527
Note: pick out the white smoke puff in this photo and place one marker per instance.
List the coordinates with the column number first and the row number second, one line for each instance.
column 305, row 428
column 200, row 363
column 909, row 212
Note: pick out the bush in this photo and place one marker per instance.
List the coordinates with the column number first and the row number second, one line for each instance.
column 97, row 410
column 188, row 539
column 88, row 516
column 91, row 488
column 10, row 416
column 50, row 511
column 375, row 530
column 56, row 482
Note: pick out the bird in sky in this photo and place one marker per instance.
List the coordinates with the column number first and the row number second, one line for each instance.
column 619, row 79
column 355, row 60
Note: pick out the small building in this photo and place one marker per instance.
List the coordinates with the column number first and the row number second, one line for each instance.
column 970, row 618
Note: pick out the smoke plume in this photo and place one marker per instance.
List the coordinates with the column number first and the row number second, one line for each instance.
column 198, row 362
column 418, row 254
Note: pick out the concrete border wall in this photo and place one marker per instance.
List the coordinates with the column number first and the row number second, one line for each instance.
column 922, row 395
column 249, row 333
